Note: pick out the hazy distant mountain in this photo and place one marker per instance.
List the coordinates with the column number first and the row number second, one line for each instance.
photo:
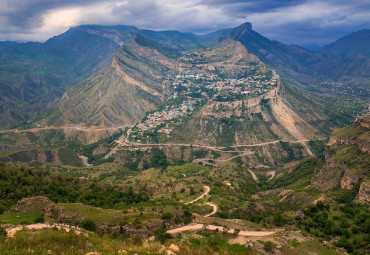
column 351, row 45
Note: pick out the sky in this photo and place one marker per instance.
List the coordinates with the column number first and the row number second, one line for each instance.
column 308, row 23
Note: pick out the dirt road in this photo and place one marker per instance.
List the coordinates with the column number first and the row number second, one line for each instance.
column 193, row 227
column 214, row 206
column 254, row 176
column 11, row 231
column 207, row 190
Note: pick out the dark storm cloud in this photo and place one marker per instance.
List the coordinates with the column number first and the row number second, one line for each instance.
column 27, row 13
column 243, row 7
column 303, row 22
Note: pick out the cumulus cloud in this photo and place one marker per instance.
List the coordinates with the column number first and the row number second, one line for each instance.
column 290, row 21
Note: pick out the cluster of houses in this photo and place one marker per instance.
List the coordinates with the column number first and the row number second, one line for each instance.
column 341, row 88
column 156, row 119
column 256, row 84
column 246, row 85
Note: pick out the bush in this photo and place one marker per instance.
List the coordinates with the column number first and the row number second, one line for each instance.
column 166, row 216
column 3, row 233
column 161, row 235
column 295, row 242
column 268, row 246
column 2, row 208
column 39, row 219
column 88, row 224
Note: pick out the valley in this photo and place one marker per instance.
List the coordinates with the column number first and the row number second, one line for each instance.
column 162, row 142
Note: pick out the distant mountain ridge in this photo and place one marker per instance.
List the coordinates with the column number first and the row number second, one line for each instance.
column 296, row 62
column 350, row 45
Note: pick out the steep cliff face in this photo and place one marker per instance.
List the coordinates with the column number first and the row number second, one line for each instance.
column 347, row 159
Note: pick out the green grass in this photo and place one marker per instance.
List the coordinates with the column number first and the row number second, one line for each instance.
column 60, row 242
column 308, row 247
column 356, row 160
column 106, row 216
column 17, row 218
column 352, row 131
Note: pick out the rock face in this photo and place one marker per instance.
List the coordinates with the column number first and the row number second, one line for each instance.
column 364, row 122
column 330, row 175
column 364, row 193
column 349, row 180
column 143, row 231
column 58, row 212
column 346, row 158
column 339, row 140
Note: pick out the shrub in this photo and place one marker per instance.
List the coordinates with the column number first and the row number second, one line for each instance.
column 3, row 233
column 88, row 224
column 268, row 246
column 166, row 216
column 39, row 219
column 236, row 231
column 161, row 235
column 295, row 242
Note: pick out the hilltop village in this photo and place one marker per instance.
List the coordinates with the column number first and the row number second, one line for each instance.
column 191, row 90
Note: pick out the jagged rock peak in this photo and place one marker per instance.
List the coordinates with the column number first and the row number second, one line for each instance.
column 239, row 31
column 245, row 26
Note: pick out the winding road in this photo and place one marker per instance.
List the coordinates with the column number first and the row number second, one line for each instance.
column 207, row 190
column 197, row 226
column 214, row 206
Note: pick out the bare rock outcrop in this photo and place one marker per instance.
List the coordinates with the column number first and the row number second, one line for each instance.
column 339, row 140
column 349, row 180
column 39, row 201
column 364, row 122
column 58, row 212
column 364, row 193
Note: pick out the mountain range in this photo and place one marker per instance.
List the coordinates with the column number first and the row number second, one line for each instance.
column 119, row 140
column 34, row 76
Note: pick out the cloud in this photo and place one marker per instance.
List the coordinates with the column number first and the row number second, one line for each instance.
column 290, row 21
